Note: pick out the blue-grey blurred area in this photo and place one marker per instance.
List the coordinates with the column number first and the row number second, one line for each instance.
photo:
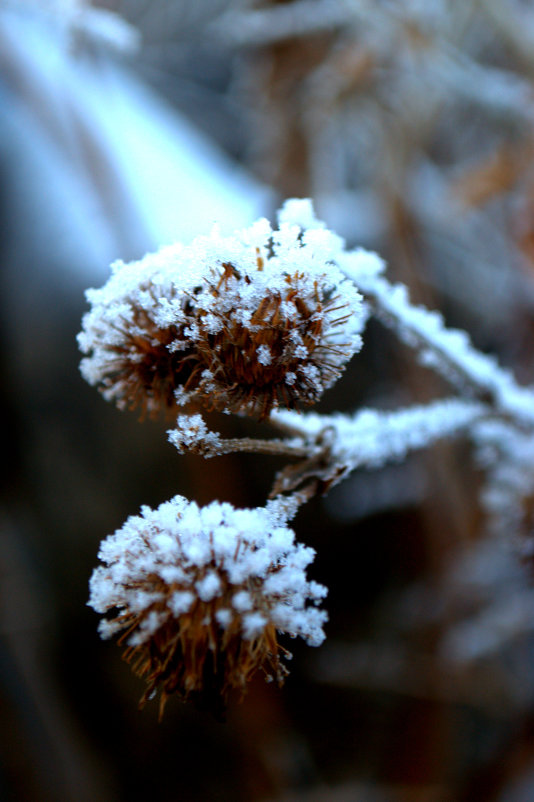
column 94, row 166
column 128, row 125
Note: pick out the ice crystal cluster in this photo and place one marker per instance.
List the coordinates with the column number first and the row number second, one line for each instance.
column 199, row 594
column 241, row 323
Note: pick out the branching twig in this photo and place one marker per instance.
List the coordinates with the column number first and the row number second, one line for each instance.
column 448, row 351
column 341, row 443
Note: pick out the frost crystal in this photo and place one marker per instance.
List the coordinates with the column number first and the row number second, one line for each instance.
column 200, row 593
column 244, row 323
column 193, row 436
column 448, row 351
column 371, row 438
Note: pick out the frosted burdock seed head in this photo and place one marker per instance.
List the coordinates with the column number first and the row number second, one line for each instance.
column 241, row 323
column 197, row 596
column 132, row 333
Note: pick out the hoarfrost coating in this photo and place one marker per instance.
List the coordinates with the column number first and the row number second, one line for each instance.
column 370, row 438
column 242, row 565
column 246, row 323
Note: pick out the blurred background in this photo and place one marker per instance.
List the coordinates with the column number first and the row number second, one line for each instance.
column 127, row 125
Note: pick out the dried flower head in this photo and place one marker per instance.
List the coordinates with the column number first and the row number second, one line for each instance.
column 244, row 323
column 199, row 594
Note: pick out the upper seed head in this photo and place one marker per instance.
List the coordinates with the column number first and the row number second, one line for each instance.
column 244, row 323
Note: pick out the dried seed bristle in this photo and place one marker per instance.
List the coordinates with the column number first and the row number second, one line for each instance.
column 241, row 324
column 297, row 344
column 142, row 371
column 197, row 595
column 193, row 657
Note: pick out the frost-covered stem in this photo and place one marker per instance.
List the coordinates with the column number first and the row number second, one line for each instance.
column 280, row 448
column 338, row 444
column 192, row 436
column 448, row 351
column 296, row 427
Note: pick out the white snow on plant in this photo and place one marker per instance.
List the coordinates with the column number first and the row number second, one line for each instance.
column 277, row 291
column 192, row 434
column 246, row 560
column 448, row 351
column 506, row 454
column 371, row 438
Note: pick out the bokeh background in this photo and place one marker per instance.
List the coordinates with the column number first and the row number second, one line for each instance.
column 127, row 125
